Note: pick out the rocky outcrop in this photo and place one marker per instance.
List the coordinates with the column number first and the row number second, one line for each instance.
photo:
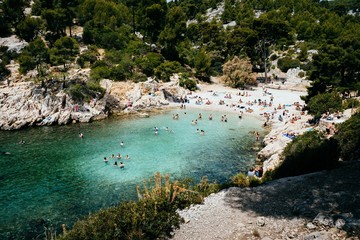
column 26, row 104
column 133, row 97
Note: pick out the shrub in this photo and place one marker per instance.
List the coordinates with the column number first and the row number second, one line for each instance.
column 351, row 103
column 238, row 73
column 88, row 56
column 240, row 180
column 301, row 74
column 166, row 69
column 4, row 71
column 205, row 188
column 286, row 63
column 254, row 181
column 100, row 72
column 308, row 153
column 348, row 137
column 188, row 83
column 273, row 57
column 149, row 62
column 75, row 92
column 145, row 219
column 325, row 102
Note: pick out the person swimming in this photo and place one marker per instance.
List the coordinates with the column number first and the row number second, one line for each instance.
column 127, row 157
column 122, row 165
column 105, row 160
column 81, row 135
column 118, row 156
column 122, row 144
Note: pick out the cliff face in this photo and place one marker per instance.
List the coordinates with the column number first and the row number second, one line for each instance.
column 27, row 104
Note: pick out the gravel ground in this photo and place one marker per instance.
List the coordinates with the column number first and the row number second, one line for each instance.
column 323, row 205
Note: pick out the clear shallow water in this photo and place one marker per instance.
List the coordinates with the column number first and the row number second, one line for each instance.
column 58, row 177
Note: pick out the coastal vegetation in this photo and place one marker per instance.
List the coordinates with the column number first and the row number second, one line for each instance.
column 132, row 40
column 153, row 216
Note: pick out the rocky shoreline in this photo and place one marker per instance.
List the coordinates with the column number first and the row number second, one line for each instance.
column 24, row 104
column 321, row 205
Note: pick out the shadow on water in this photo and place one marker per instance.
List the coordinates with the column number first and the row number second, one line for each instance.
column 335, row 192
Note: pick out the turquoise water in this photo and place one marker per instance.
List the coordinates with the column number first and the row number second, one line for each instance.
column 57, row 177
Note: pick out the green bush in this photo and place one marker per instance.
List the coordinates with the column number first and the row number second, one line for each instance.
column 76, row 93
column 308, row 153
column 286, row 63
column 149, row 62
column 273, row 57
column 351, row 103
column 166, row 69
column 188, row 83
column 84, row 92
column 145, row 219
column 301, row 74
column 88, row 56
column 348, row 137
column 4, row 71
column 205, row 188
column 240, row 180
column 325, row 102
column 254, row 181
column 100, row 72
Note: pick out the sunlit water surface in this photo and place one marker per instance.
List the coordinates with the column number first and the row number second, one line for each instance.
column 56, row 177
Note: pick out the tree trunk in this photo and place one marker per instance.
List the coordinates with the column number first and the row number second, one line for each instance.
column 265, row 67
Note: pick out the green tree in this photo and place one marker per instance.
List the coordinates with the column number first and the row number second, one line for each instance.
column 270, row 28
column 13, row 11
column 308, row 153
column 64, row 51
column 325, row 102
column 202, row 64
column 166, row 69
column 173, row 32
column 348, row 137
column 4, row 71
column 55, row 20
column 33, row 56
column 29, row 28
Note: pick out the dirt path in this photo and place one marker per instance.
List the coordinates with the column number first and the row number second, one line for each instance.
column 324, row 205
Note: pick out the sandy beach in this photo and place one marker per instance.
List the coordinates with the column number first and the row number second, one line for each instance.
column 281, row 110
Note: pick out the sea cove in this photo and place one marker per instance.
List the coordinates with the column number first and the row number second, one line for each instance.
column 58, row 177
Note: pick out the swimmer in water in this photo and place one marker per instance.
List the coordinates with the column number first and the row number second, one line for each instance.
column 127, row 157
column 81, row 135
column 122, row 144
column 118, row 156
column 121, row 165
column 105, row 160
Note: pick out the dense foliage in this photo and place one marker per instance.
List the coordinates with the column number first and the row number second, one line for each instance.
column 149, row 35
column 325, row 102
column 154, row 216
column 308, row 153
column 348, row 137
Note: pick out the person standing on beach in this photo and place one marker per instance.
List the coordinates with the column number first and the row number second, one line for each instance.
column 257, row 136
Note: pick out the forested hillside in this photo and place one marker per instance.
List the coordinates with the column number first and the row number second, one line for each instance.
column 155, row 38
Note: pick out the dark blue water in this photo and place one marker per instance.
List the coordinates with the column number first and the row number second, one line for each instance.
column 57, row 177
